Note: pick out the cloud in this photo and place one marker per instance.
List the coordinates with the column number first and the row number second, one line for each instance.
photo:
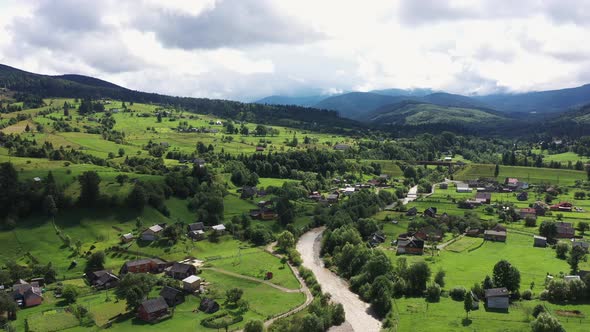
column 70, row 29
column 229, row 23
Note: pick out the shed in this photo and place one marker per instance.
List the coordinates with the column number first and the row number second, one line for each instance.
column 153, row 310
column 209, row 306
column 496, row 236
column 172, row 296
column 191, row 284
column 539, row 241
column 497, row 298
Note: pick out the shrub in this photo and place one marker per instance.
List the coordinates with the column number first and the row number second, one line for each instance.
column 458, row 293
column 539, row 308
column 527, row 295
column 433, row 293
column 561, row 249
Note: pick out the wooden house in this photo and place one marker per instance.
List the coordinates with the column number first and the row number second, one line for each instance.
column 180, row 271
column 411, row 245
column 153, row 310
column 102, row 279
column 496, row 236
column 146, row 265
column 27, row 295
column 565, row 230
column 153, row 233
column 497, row 298
column 539, row 241
column 172, row 296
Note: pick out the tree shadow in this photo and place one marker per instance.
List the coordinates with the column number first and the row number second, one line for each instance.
column 466, row 322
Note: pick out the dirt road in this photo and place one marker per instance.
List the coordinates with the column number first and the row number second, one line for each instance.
column 358, row 318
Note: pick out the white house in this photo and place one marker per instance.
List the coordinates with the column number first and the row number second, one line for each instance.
column 152, row 233
column 191, row 283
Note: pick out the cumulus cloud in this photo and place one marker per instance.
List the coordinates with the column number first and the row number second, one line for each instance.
column 228, row 23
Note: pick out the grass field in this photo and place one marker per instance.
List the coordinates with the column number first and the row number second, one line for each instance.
column 528, row 174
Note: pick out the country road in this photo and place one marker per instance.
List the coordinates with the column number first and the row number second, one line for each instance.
column 358, row 318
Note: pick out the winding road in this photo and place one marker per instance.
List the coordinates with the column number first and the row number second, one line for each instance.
column 358, row 316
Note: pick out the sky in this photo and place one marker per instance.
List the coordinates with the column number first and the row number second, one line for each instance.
column 248, row 49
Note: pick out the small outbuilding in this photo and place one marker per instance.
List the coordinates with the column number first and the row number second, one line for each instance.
column 172, row 296
column 497, row 298
column 209, row 306
column 191, row 284
column 539, row 241
column 153, row 310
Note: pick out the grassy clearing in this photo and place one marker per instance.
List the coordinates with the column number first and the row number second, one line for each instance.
column 52, row 320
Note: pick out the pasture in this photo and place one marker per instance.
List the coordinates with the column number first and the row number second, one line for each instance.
column 528, row 174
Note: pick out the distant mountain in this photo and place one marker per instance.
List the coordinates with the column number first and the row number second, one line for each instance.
column 286, row 100
column 453, row 100
column 540, row 102
column 404, row 92
column 355, row 105
column 420, row 113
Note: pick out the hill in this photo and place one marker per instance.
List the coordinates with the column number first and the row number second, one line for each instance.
column 77, row 86
column 540, row 102
column 418, row 113
column 286, row 100
column 418, row 92
column 453, row 100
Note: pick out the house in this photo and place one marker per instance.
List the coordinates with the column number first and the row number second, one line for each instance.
column 259, row 149
column 429, row 233
column 540, row 208
column 341, row 147
column 565, row 230
column 571, row 278
column 483, row 197
column 430, row 212
column 463, row 188
column 511, row 181
column 209, row 306
column 410, row 245
column 196, row 235
column 348, row 191
column 146, row 265
column 197, row 226
column 153, row 310
column 180, row 271
column 496, row 236
column 333, row 198
column 27, row 295
column 126, row 238
column 412, row 212
column 448, row 159
column 497, row 298
column 582, row 244
column 527, row 212
column 376, row 239
column 523, row 196
column 267, row 214
column 443, row 185
column 191, row 284
column 102, row 279
column 472, row 232
column 539, row 241
column 219, row 229
column 562, row 206
column 152, row 234
column 172, row 296
column 37, row 179
column 199, row 162
column 316, row 196
column 248, row 192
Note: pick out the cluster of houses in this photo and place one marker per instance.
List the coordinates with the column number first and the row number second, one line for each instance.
column 265, row 211
column 412, row 243
column 490, row 185
column 195, row 231
column 156, row 309
column 198, row 130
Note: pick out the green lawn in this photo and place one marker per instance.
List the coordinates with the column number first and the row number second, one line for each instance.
column 528, row 174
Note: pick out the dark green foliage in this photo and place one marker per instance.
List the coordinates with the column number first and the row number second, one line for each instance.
column 254, row 326
column 233, row 295
column 546, row 323
column 89, row 188
column 506, row 275
column 433, row 293
column 134, row 288
column 548, row 229
column 69, row 293
column 95, row 261
column 577, row 255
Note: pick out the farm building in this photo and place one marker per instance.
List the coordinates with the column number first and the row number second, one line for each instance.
column 562, row 206
column 429, row 233
column 410, row 245
column 527, row 212
column 102, row 279
column 196, row 235
column 497, row 298
column 209, row 306
column 316, row 196
column 523, row 196
column 153, row 310
column 172, row 296
column 146, row 265
column 152, row 234
column 27, row 295
column 219, row 229
column 582, row 244
column 540, row 208
column 496, row 236
column 412, row 212
column 483, row 197
column 197, row 226
column 333, row 198
column 473, row 232
column 430, row 212
column 180, row 271
column 539, row 241
column 463, row 188
column 191, row 283
column 126, row 238
column 565, row 230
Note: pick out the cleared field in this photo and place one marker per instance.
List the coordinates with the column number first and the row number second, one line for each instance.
column 529, row 174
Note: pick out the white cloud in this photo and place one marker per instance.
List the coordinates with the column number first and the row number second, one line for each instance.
column 246, row 49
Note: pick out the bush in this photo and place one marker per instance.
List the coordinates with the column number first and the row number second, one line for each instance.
column 544, row 295
column 539, row 308
column 433, row 293
column 458, row 293
column 527, row 295
column 561, row 249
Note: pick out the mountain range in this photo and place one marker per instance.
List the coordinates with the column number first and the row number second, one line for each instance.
column 358, row 105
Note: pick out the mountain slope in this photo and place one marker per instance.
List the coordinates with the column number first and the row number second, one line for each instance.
column 286, row 100
column 453, row 100
column 87, row 80
column 420, row 113
column 355, row 105
column 404, row 92
column 541, row 102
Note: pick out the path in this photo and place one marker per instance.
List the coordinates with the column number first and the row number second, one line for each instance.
column 357, row 313
column 241, row 276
